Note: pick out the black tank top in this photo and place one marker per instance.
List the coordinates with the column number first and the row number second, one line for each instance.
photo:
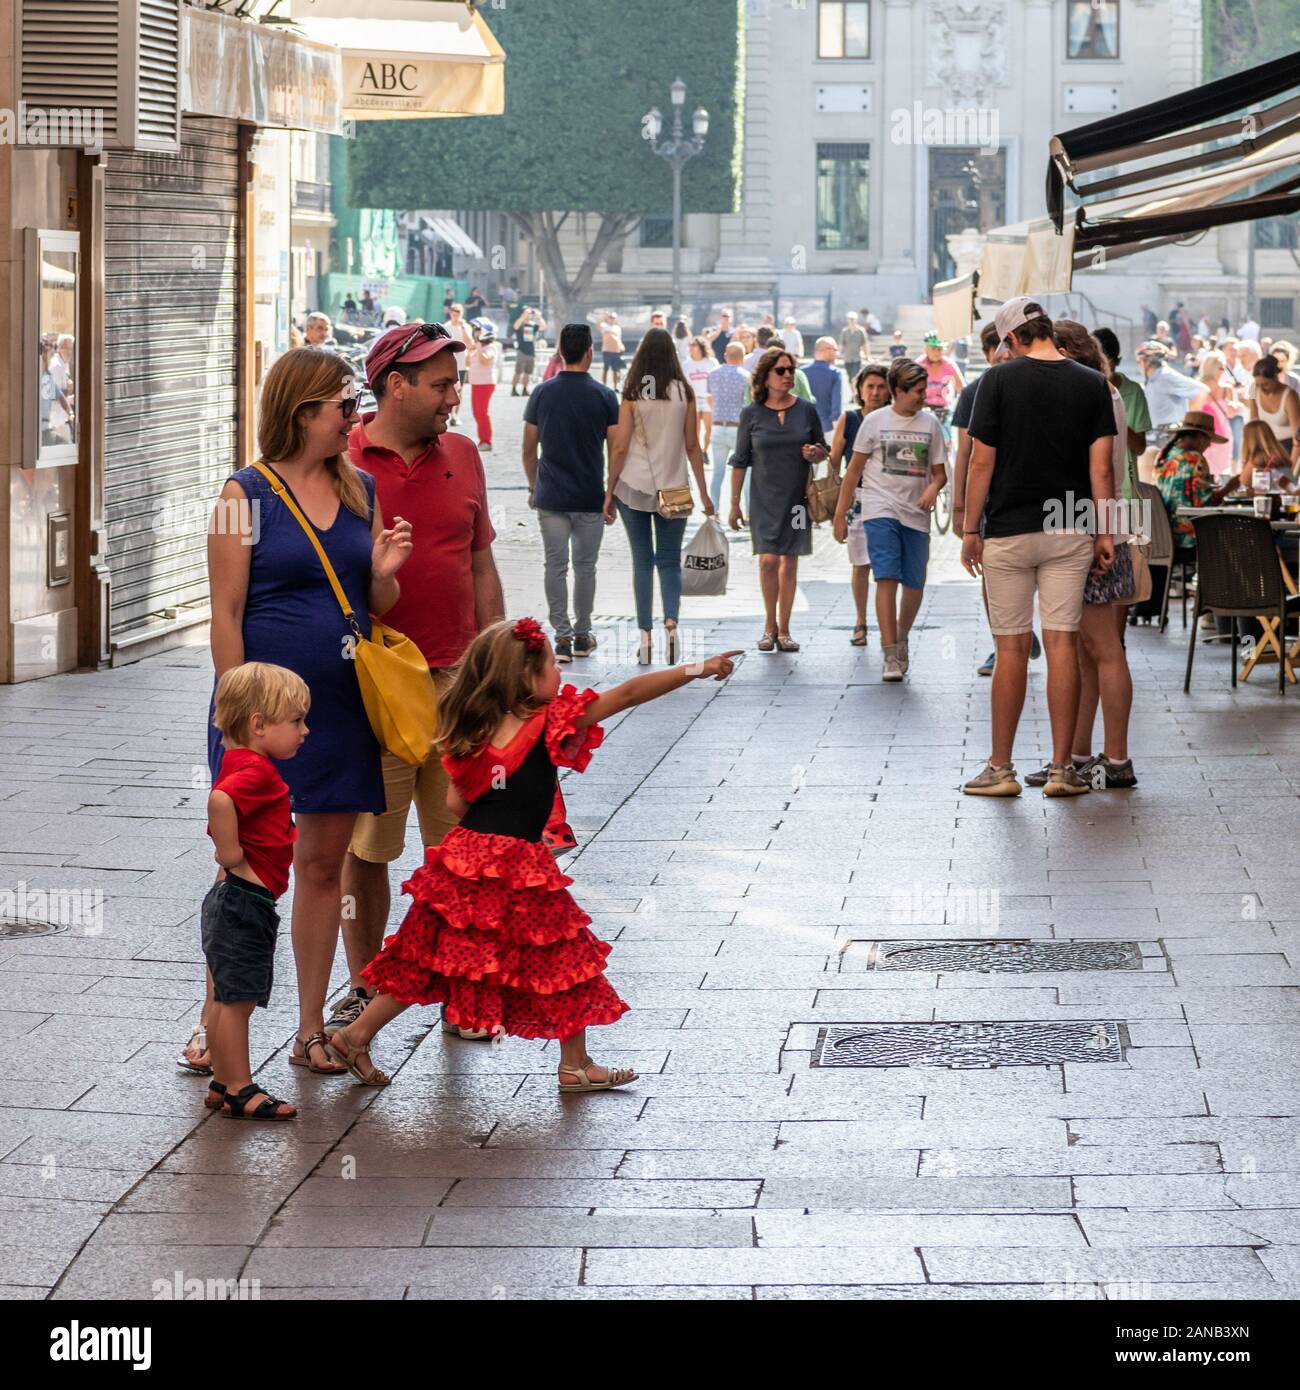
column 852, row 423
column 522, row 806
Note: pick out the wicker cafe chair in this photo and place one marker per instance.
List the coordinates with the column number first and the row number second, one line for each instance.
column 1160, row 556
column 1240, row 578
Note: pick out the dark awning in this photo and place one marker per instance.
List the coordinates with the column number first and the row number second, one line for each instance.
column 1191, row 132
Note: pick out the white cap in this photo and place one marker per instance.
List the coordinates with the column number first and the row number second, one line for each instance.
column 1015, row 313
column 394, row 315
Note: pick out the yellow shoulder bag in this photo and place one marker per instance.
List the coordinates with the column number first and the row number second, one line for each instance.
column 396, row 686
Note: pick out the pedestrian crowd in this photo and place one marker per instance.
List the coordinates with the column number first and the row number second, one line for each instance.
column 372, row 548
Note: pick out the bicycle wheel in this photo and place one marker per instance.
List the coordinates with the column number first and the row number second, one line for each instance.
column 943, row 511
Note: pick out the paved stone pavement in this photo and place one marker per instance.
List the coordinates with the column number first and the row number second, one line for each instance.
column 741, row 845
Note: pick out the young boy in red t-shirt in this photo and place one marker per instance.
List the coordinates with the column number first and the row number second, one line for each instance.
column 261, row 711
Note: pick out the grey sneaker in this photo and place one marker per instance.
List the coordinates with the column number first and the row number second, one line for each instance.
column 993, row 781
column 985, row 668
column 903, row 655
column 1106, row 775
column 347, row 1010
column 1063, row 779
column 893, row 667
column 1039, row 778
column 584, row 644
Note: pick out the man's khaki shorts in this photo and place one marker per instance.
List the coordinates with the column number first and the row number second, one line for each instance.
column 1056, row 564
column 381, row 839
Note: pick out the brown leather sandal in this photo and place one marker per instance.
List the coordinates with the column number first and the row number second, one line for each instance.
column 340, row 1046
column 316, row 1040
column 618, row 1076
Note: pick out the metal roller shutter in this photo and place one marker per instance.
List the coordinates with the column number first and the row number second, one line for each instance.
column 172, row 251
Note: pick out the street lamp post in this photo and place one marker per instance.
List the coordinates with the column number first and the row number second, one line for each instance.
column 678, row 150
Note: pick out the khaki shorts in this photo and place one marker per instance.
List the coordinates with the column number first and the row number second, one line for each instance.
column 1055, row 564
column 381, row 839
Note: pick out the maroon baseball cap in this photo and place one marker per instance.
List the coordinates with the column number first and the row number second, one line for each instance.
column 407, row 344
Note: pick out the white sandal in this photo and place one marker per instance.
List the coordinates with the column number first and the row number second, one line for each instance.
column 199, row 1040
column 468, row 1034
column 618, row 1076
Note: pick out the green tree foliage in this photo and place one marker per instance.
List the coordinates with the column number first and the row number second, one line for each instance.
column 580, row 74
column 1241, row 34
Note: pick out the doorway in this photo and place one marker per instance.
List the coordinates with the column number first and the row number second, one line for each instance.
column 968, row 188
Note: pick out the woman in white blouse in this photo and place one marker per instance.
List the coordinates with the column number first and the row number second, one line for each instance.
column 657, row 434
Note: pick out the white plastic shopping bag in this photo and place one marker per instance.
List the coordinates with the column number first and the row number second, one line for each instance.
column 705, row 562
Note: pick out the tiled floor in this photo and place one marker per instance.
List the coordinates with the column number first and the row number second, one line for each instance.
column 734, row 840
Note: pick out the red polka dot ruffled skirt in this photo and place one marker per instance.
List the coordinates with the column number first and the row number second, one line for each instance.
column 493, row 935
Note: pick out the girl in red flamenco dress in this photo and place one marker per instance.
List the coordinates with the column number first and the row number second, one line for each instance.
column 492, row 933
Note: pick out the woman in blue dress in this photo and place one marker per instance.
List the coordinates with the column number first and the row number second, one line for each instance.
column 272, row 602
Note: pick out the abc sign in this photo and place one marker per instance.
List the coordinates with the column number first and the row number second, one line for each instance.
column 390, row 77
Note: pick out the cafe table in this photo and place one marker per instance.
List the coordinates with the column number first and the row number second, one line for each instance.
column 1270, row 637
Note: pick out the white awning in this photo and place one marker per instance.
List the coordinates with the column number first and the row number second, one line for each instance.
column 449, row 230
column 257, row 73
column 409, row 59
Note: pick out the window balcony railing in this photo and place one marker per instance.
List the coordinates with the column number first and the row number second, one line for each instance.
column 311, row 197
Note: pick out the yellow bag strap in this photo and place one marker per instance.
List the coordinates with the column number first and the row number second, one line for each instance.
column 310, row 531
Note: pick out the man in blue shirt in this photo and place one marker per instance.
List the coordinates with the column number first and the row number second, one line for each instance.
column 728, row 385
column 572, row 419
column 1167, row 391
column 827, row 382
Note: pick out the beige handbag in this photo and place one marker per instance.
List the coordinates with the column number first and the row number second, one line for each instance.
column 672, row 503
column 822, row 495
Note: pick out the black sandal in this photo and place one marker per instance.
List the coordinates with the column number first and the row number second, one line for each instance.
column 216, row 1095
column 236, row 1105
column 859, row 638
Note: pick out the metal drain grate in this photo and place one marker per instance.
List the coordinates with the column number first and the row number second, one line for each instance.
column 963, row 1045
column 1004, row 956
column 28, row 926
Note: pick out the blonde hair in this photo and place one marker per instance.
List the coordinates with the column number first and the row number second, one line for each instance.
column 1259, row 443
column 495, row 678
column 257, row 687
column 296, row 383
column 1211, row 359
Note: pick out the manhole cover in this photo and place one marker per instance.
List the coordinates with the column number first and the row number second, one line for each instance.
column 961, row 1045
column 1004, row 956
column 28, row 926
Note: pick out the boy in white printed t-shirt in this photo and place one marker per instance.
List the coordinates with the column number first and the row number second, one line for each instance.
column 898, row 467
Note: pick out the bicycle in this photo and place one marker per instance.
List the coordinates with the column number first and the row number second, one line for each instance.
column 942, row 513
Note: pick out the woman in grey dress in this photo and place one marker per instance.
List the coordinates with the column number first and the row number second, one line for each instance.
column 779, row 438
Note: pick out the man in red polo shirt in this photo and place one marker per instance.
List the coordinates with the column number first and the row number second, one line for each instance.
column 450, row 591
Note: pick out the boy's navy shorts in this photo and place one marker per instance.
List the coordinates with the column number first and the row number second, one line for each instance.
column 239, row 926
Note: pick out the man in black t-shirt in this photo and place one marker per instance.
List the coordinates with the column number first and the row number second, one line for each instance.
column 994, row 352
column 572, row 418
column 1040, row 477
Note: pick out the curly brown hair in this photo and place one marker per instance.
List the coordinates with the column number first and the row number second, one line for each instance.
column 763, row 369
column 495, row 678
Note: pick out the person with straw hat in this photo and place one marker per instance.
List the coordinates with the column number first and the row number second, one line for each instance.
column 1184, row 477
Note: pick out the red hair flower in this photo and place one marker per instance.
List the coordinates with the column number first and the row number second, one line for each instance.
column 529, row 631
